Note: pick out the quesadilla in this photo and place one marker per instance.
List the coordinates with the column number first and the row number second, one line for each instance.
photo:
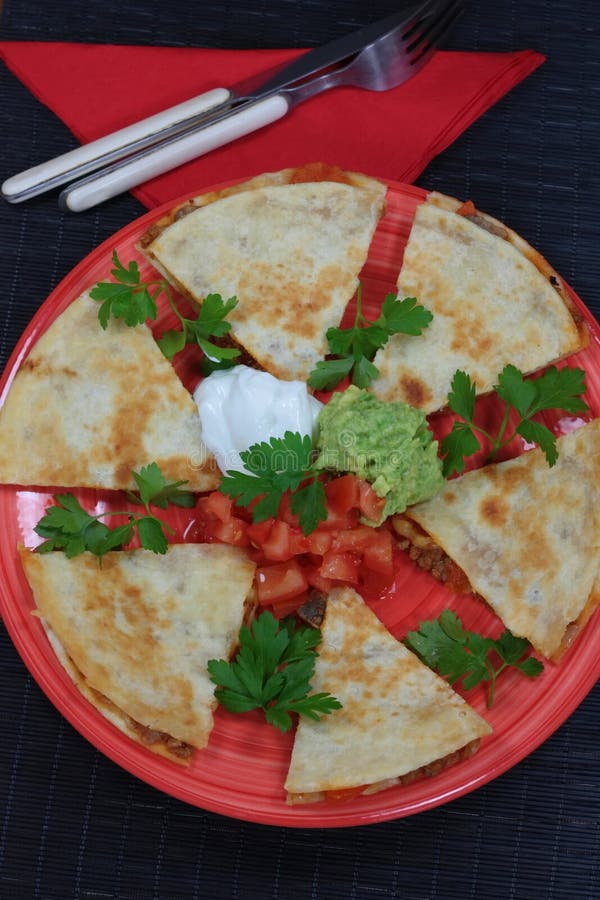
column 289, row 245
column 494, row 301
column 398, row 720
column 87, row 406
column 136, row 633
column 524, row 536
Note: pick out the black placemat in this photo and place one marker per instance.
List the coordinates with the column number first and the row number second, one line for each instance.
column 72, row 824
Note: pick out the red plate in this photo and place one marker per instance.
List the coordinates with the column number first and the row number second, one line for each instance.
column 242, row 771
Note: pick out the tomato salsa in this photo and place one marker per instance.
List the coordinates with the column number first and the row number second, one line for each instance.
column 290, row 564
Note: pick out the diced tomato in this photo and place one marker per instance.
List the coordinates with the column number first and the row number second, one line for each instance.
column 340, row 566
column 283, row 608
column 316, row 580
column 285, row 511
column 466, row 209
column 319, row 542
column 284, row 542
column 233, row 532
column 215, row 522
column 371, row 506
column 343, row 494
column 258, row 532
column 357, row 539
column 216, row 504
column 338, row 521
column 209, row 529
column 279, row 582
column 378, row 555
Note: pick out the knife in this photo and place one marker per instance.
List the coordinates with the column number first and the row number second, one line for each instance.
column 201, row 112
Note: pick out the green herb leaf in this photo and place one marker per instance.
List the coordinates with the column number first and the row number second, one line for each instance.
column 272, row 672
column 461, row 398
column 171, row 342
column 364, row 372
column 403, row 316
column 134, row 301
column 208, row 366
column 355, row 347
column 151, row 534
column 126, row 298
column 555, row 389
column 329, row 372
column 309, row 504
column 515, row 390
column 444, row 645
column 155, row 490
column 456, row 446
column 536, row 433
column 67, row 526
column 211, row 318
column 272, row 468
column 210, row 322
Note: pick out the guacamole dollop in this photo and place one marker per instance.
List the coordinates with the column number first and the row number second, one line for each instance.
column 388, row 444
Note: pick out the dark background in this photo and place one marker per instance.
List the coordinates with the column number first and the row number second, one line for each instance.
column 72, row 824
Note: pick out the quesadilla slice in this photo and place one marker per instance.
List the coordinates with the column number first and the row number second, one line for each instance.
column 87, row 406
column 136, row 633
column 494, row 301
column 398, row 720
column 524, row 536
column 289, row 245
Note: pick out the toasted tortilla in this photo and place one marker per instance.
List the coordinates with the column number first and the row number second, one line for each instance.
column 136, row 633
column 87, row 406
column 398, row 717
column 494, row 301
column 527, row 537
column 288, row 247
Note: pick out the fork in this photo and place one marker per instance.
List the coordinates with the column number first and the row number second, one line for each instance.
column 385, row 63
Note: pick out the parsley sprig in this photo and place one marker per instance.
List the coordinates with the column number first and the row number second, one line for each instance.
column 67, row 526
column 133, row 300
column 444, row 645
column 272, row 468
column 272, row 672
column 555, row 389
column 356, row 347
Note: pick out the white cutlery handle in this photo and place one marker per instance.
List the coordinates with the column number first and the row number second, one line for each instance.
column 57, row 171
column 152, row 162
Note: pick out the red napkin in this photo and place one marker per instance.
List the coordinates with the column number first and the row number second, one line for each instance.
column 96, row 89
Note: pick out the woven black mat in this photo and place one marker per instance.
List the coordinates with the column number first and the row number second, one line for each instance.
column 74, row 825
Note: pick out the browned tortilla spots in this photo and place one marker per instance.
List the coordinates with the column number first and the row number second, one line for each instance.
column 415, row 392
column 117, row 405
column 493, row 509
column 527, row 535
column 141, row 628
column 397, row 715
column 492, row 304
column 476, row 340
column 288, row 245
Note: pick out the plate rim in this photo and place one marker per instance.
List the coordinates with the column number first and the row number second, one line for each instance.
column 62, row 296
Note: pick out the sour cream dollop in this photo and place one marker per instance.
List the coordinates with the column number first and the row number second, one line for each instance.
column 241, row 406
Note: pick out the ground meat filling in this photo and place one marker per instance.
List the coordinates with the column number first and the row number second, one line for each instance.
column 427, row 555
column 485, row 223
column 433, row 768
column 149, row 736
column 313, row 611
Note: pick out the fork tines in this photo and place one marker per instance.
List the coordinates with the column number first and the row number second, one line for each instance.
column 431, row 25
